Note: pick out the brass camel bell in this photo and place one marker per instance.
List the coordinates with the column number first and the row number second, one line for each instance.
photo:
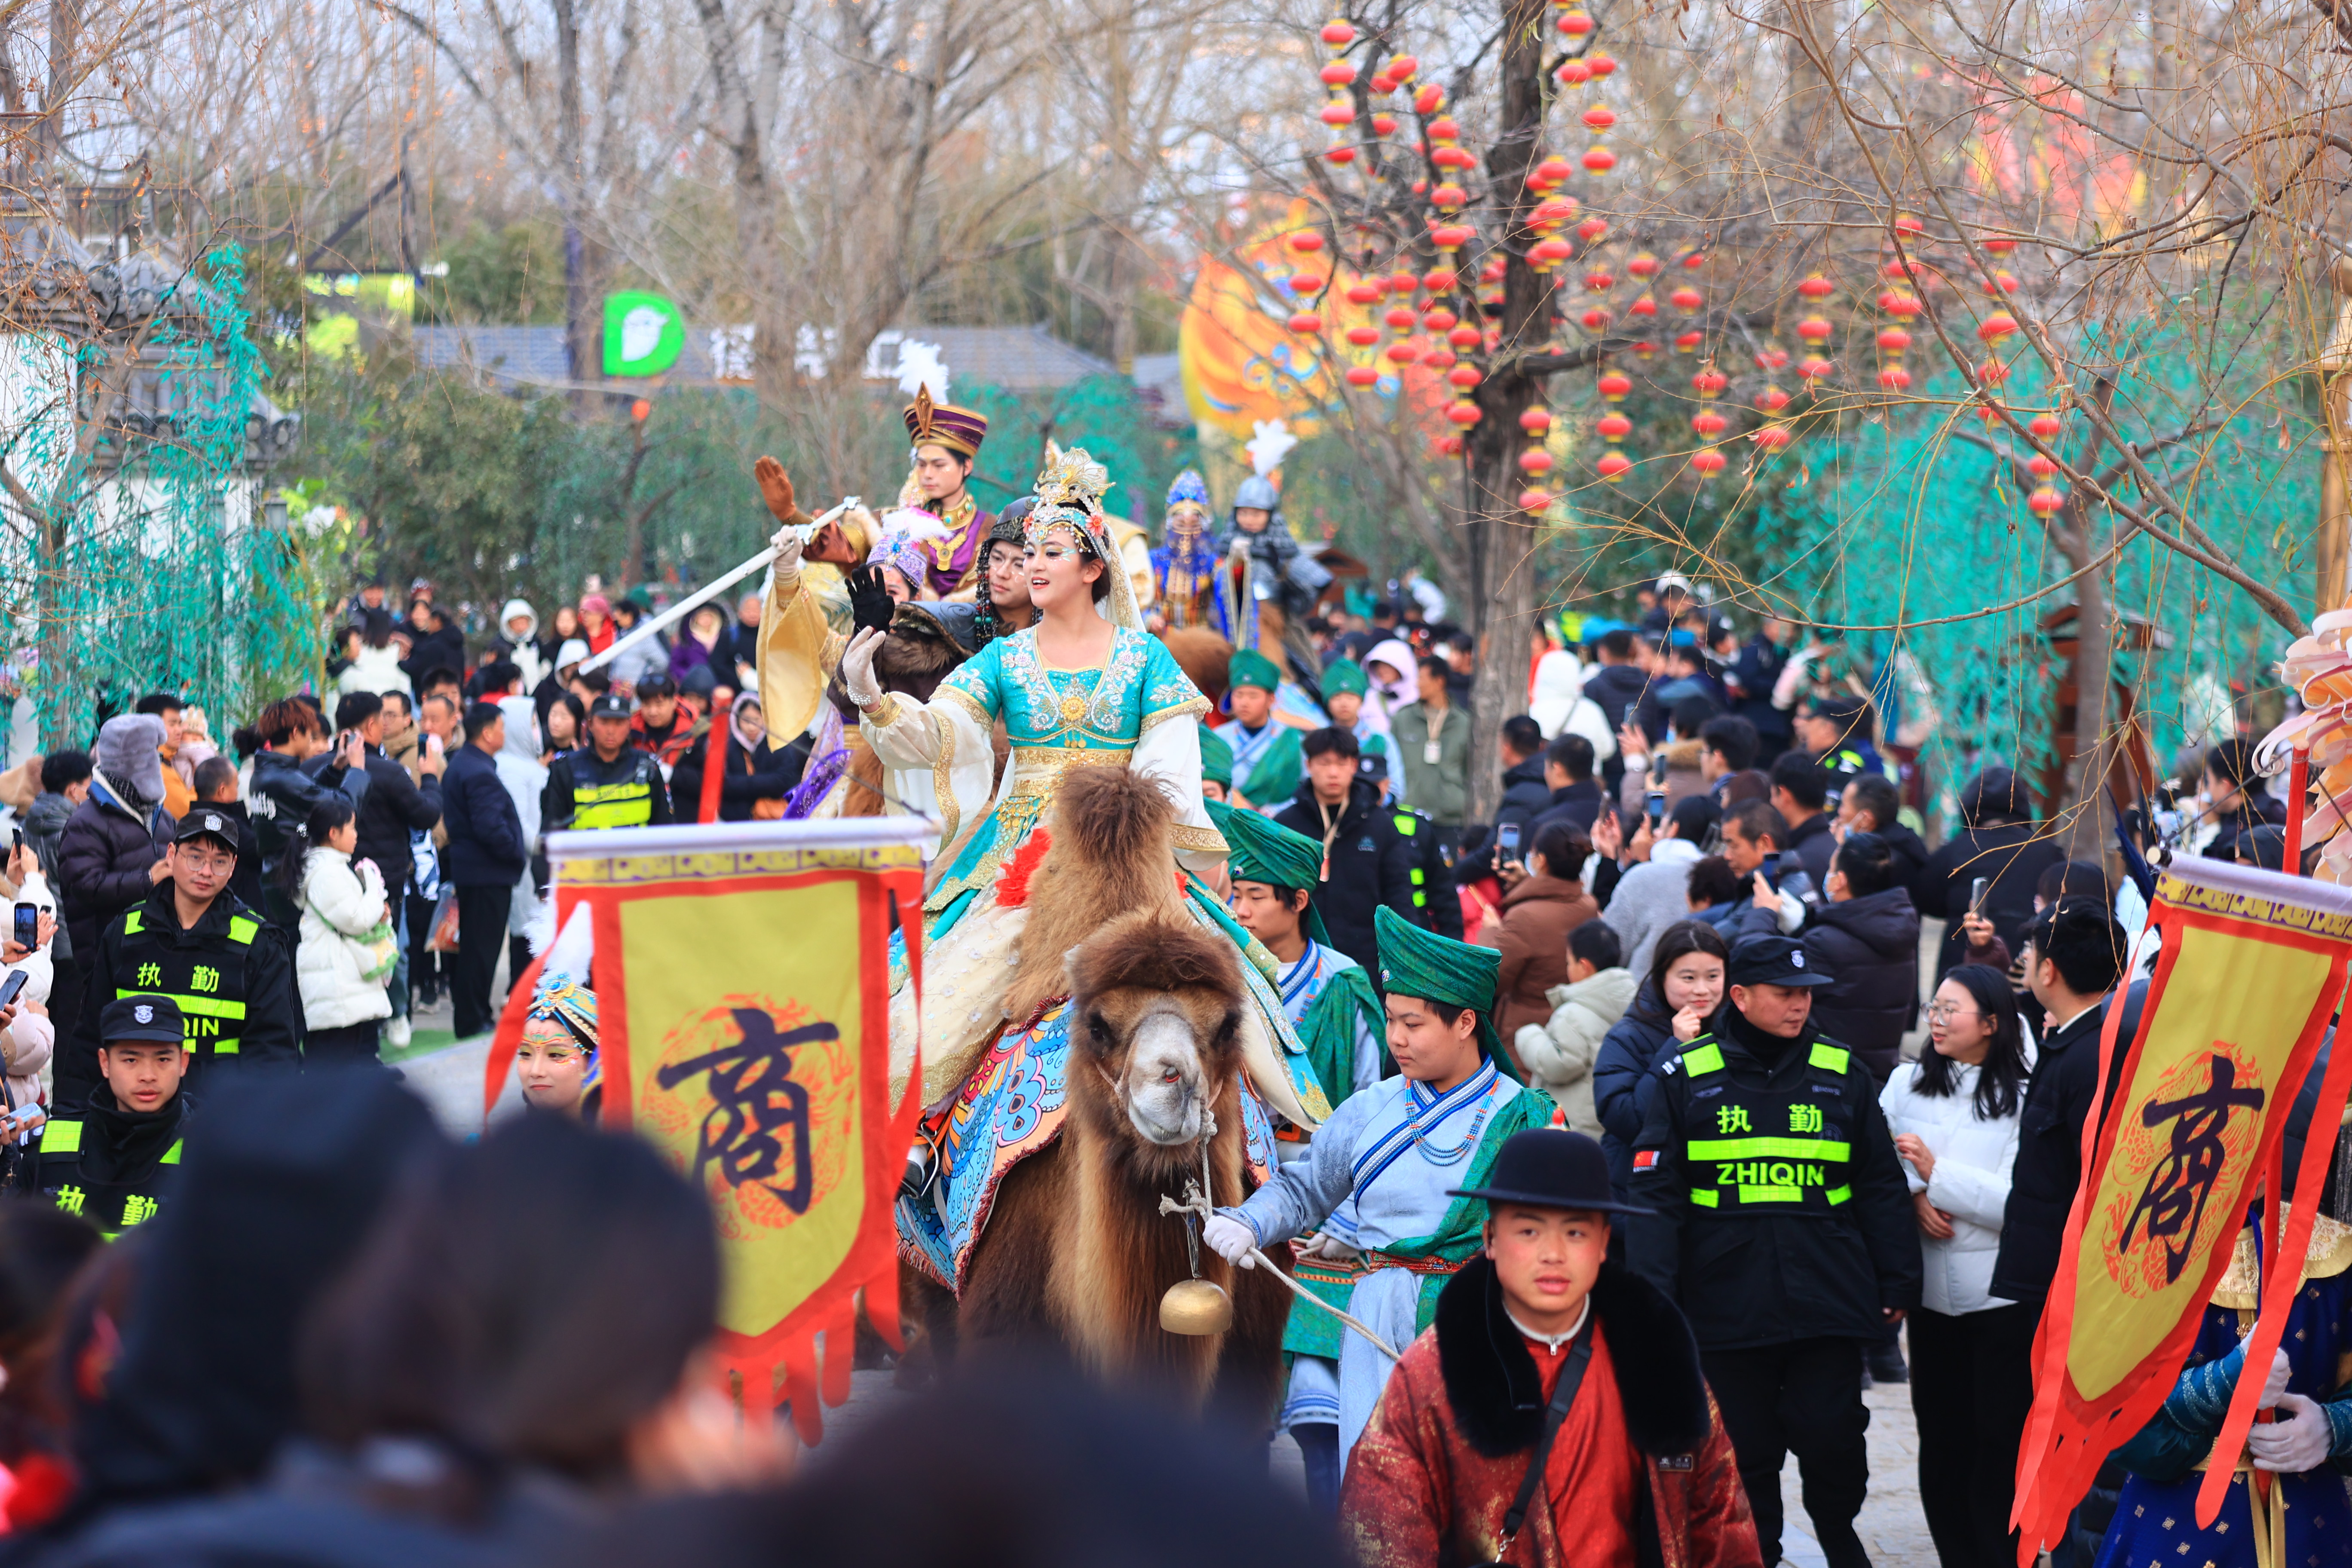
column 1196, row 1307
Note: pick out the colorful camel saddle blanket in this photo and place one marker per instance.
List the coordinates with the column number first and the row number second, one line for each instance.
column 1011, row 1107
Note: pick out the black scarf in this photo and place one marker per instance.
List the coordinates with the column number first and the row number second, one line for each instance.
column 1769, row 1049
column 121, row 1146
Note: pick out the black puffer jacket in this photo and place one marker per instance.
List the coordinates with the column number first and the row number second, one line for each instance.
column 280, row 796
column 103, row 854
column 2011, row 857
column 392, row 807
column 1526, row 796
column 1869, row 947
column 1372, row 864
column 1620, row 1075
column 2059, row 1099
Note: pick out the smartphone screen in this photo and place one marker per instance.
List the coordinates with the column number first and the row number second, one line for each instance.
column 1655, row 807
column 11, row 986
column 1506, row 840
column 1977, row 890
column 28, row 925
column 1772, row 869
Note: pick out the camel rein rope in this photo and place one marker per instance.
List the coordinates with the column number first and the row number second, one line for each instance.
column 1196, row 1203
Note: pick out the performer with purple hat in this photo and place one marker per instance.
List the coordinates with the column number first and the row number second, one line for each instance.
column 947, row 439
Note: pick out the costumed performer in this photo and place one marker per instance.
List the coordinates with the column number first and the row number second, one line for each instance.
column 825, row 560
column 1216, row 766
column 1269, row 583
column 1077, row 688
column 1184, row 568
column 556, row 1062
column 899, row 555
column 2304, row 1518
column 1345, row 688
column 1004, row 599
column 1636, row 1468
column 947, row 439
column 1374, row 1185
column 1267, row 762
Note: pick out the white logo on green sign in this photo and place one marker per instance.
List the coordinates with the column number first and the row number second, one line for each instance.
column 644, row 333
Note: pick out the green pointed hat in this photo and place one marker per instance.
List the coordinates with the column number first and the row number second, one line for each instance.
column 1345, row 674
column 1216, row 758
column 1417, row 962
column 1251, row 668
column 1260, row 850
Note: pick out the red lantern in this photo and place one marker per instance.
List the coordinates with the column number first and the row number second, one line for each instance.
column 1613, row 465
column 1688, row 342
column 1592, row 230
column 1452, row 236
column 2046, row 426
column 1465, row 377
column 1338, row 73
column 1535, row 421
column 1695, row 260
column 1707, row 460
column 1438, row 320
column 1643, row 265
column 1687, row 299
column 1401, row 318
column 1307, row 241
column 1381, row 85
column 1463, row 337
column 1574, row 73
column 1596, row 320
column 1445, row 447
column 1895, row 378
column 1362, row 375
column 1614, row 385
column 1600, row 116
column 1599, row 281
column 1444, row 128
column 1600, row 161
column 1402, row 67
column 1463, row 414
column 1992, row 373
column 2040, row 467
column 1385, row 124
column 1428, row 99
column 1551, row 252
column 1438, row 359
column 2047, row 502
column 1534, row 461
column 1997, row 326
column 1771, row 437
column 1999, row 246
column 1403, row 353
column 1364, row 292
column 1341, row 154
column 1439, row 280
column 1894, row 340
column 1614, row 427
column 1448, row 195
column 1771, row 400
column 1555, row 212
column 1909, row 223
column 1363, row 337
column 1600, row 64
column 1708, row 383
column 1814, row 329
column 1709, row 424
column 1575, row 23
column 1492, row 272
column 1817, row 288
column 1533, row 500
column 1815, row 367
column 1452, row 158
column 1306, row 324
column 1338, row 34
column 1336, row 113
column 1556, row 169
column 1645, row 307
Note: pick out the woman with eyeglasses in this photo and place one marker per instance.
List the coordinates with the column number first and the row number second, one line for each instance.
column 1954, row 1116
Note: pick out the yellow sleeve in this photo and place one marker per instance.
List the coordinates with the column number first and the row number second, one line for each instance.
column 798, row 654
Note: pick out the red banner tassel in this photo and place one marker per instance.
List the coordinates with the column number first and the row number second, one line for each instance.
column 2282, row 1273
column 714, row 760
column 881, row 1298
column 841, row 1351
column 801, row 1387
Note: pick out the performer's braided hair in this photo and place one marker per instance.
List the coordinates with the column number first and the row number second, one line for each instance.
column 1006, row 530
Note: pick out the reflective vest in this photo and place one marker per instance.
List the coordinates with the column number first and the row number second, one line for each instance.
column 1766, row 1150
column 625, row 801
column 206, row 980
column 112, row 1207
column 1408, row 826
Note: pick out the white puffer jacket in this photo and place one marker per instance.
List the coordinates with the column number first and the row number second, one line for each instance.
column 341, row 901
column 1969, row 1182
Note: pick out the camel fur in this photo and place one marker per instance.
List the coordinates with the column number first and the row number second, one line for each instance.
column 1112, row 856
column 1076, row 1251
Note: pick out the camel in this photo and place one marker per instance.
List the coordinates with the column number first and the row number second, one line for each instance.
column 1076, row 1251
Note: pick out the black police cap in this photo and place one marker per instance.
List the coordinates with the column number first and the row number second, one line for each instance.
column 1772, row 960
column 127, row 1019
column 610, row 705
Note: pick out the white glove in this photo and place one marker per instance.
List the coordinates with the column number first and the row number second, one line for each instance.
column 857, row 668
column 788, row 550
column 1327, row 1246
column 2296, row 1442
column 2275, row 1383
column 1232, row 1240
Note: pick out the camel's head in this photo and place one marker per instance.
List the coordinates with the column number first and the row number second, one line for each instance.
column 1156, row 1007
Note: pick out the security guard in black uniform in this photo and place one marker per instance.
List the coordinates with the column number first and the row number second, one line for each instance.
column 228, row 974
column 1780, row 1221
column 608, row 782
column 115, row 1159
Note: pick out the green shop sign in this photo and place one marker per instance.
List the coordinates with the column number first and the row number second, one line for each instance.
column 644, row 333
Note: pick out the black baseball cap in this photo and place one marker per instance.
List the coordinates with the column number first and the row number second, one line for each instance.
column 202, row 823
column 1772, row 960
column 610, row 705
column 152, row 1019
column 658, row 684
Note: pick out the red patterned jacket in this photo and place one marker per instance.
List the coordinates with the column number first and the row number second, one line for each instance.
column 1428, row 1485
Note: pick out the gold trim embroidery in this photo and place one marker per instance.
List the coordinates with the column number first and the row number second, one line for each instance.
column 885, row 712
column 1196, row 707
column 966, row 701
column 1184, row 836
column 941, row 786
column 2330, row 1254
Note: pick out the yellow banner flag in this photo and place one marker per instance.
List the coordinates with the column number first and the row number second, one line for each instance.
column 742, row 971
column 2251, row 965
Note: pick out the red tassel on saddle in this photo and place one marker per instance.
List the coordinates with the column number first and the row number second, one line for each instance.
column 1012, row 882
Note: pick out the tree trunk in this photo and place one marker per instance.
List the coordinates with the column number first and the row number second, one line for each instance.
column 1499, row 601
column 582, row 336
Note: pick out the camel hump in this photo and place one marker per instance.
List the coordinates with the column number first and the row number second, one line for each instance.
column 1110, row 816
column 1152, row 951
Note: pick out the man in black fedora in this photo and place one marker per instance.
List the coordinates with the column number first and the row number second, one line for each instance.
column 1557, row 1397
column 1777, row 1215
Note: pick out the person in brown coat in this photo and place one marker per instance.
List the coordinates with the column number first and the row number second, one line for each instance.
column 1538, row 915
column 1554, row 1414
